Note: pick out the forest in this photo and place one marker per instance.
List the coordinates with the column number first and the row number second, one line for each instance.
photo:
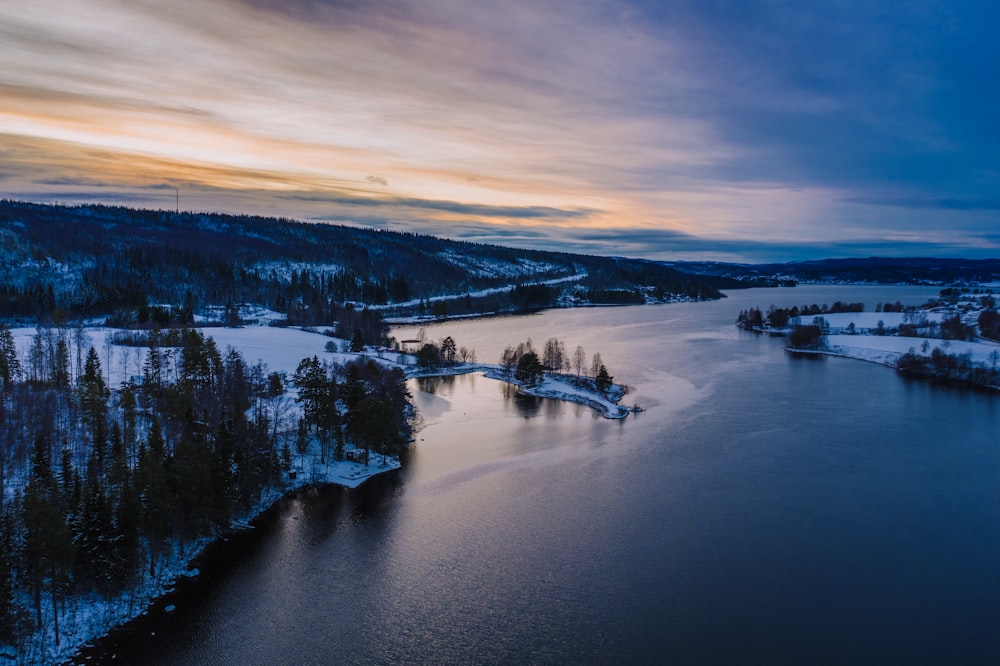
column 64, row 263
column 101, row 483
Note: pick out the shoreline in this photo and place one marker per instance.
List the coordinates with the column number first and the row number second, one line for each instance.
column 345, row 475
column 182, row 577
column 888, row 360
column 96, row 618
column 214, row 557
column 844, row 353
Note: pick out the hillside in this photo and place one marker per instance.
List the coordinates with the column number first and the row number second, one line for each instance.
column 85, row 261
column 870, row 270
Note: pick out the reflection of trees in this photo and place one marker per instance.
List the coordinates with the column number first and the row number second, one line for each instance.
column 527, row 406
column 432, row 384
column 324, row 509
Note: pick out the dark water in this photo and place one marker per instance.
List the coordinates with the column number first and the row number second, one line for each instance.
column 764, row 509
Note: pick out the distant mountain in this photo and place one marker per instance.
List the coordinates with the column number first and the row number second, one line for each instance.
column 94, row 260
column 871, row 270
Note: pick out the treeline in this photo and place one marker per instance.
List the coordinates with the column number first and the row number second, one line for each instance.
column 989, row 324
column 102, row 484
column 528, row 366
column 361, row 401
column 446, row 353
column 956, row 369
column 754, row 319
column 69, row 262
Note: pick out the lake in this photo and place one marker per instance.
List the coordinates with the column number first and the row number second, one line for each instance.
column 763, row 509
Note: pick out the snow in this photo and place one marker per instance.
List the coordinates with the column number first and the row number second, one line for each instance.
column 283, row 269
column 280, row 348
column 252, row 314
column 492, row 268
column 887, row 349
column 343, row 472
column 482, row 292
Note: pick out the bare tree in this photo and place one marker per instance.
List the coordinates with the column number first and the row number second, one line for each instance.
column 579, row 360
column 596, row 364
column 554, row 355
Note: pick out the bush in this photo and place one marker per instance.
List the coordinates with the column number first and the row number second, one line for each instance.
column 805, row 337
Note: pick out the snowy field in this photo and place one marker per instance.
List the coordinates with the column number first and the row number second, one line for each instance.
column 280, row 349
column 887, row 349
column 476, row 294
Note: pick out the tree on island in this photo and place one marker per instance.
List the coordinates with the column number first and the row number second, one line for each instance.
column 579, row 360
column 806, row 337
column 554, row 357
column 603, row 380
column 529, row 369
column 596, row 364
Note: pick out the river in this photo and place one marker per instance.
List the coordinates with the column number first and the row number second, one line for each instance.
column 763, row 509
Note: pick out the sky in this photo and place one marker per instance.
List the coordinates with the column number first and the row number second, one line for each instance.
column 746, row 131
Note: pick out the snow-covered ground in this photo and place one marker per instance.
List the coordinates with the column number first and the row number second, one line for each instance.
column 887, row 349
column 482, row 292
column 283, row 269
column 280, row 348
column 487, row 267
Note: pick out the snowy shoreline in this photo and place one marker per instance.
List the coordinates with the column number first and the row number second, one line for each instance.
column 178, row 579
column 86, row 637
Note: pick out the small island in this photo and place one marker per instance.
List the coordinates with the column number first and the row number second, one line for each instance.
column 954, row 339
column 544, row 375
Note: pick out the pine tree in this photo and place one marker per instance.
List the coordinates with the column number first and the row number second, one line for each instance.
column 12, row 615
column 10, row 366
column 48, row 548
column 94, row 402
column 357, row 341
column 603, row 379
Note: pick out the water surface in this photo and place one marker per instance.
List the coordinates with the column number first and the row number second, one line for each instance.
column 764, row 509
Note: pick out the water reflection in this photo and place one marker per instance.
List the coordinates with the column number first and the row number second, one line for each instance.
column 433, row 384
column 805, row 355
column 527, row 406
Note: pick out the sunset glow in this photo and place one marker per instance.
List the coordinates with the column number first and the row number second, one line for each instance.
column 660, row 129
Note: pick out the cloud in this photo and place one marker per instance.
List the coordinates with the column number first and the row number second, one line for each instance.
column 739, row 127
column 954, row 204
column 466, row 209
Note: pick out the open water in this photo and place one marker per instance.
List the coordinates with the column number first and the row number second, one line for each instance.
column 763, row 509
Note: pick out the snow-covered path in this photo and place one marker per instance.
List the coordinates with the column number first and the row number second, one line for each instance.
column 475, row 294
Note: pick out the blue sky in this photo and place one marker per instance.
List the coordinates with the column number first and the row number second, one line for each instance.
column 740, row 131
